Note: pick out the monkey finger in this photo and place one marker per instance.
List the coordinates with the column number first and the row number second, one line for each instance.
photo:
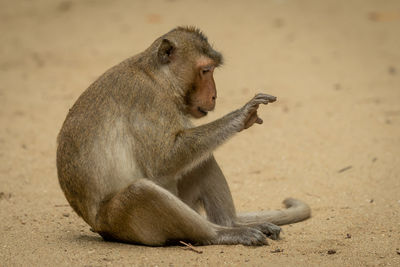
column 268, row 97
column 259, row 101
column 259, row 120
column 253, row 104
column 265, row 98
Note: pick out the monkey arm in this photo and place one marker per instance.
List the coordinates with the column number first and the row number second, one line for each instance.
column 194, row 145
column 173, row 153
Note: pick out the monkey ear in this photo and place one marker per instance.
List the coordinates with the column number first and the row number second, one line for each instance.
column 166, row 51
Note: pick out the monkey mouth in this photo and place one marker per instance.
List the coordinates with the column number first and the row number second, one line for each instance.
column 202, row 111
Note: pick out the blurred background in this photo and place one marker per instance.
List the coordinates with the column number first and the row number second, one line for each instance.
column 331, row 139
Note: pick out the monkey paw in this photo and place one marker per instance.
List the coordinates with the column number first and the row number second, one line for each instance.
column 250, row 109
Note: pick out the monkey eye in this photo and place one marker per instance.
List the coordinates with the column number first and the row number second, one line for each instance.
column 205, row 70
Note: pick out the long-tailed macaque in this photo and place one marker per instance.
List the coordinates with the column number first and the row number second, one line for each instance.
column 134, row 167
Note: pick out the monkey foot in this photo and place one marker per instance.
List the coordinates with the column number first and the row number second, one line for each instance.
column 242, row 235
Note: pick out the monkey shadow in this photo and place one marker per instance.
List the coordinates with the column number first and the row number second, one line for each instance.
column 88, row 238
column 97, row 239
column 83, row 239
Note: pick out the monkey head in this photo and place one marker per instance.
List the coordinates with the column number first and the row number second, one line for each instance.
column 192, row 60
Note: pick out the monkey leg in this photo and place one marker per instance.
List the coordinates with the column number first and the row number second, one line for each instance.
column 147, row 214
column 206, row 184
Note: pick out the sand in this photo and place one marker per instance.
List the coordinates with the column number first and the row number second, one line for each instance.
column 332, row 139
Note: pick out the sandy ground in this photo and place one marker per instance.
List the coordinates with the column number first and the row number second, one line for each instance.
column 332, row 139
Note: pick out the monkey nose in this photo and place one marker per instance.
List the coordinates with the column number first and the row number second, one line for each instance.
column 212, row 104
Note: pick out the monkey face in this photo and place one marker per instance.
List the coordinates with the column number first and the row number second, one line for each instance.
column 203, row 94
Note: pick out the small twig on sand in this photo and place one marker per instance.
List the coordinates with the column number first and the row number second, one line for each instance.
column 278, row 250
column 345, row 169
column 190, row 247
column 61, row 205
column 313, row 195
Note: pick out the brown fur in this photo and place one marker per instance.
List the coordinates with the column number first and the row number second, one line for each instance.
column 133, row 166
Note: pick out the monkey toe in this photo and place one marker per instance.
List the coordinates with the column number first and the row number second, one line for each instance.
column 272, row 231
column 254, row 237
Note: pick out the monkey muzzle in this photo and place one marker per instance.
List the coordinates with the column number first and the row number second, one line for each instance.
column 202, row 111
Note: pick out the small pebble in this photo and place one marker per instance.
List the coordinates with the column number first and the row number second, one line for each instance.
column 331, row 251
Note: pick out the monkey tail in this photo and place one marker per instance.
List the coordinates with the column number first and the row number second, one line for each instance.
column 296, row 211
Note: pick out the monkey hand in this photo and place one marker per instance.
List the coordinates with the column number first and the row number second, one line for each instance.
column 250, row 109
